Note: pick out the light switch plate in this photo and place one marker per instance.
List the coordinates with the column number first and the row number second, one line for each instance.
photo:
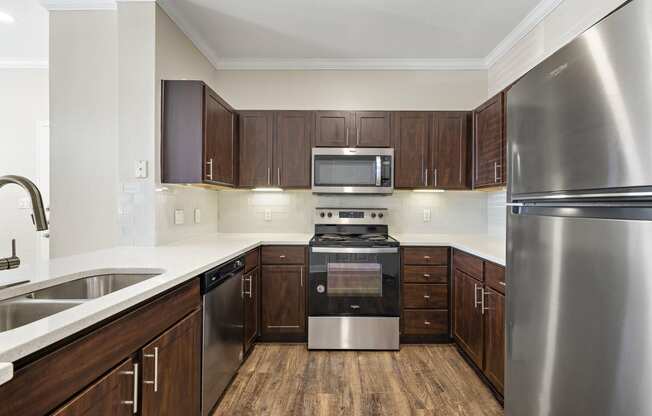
column 141, row 169
column 426, row 215
column 268, row 214
column 179, row 217
column 197, row 215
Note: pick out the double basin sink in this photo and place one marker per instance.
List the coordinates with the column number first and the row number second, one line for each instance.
column 30, row 307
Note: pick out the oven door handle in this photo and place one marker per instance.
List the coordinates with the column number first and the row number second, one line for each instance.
column 354, row 250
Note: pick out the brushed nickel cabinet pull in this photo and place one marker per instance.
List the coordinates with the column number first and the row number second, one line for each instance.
column 426, row 275
column 426, row 322
column 501, row 283
column 426, row 296
column 301, row 276
column 282, row 256
column 210, row 169
column 269, row 176
column 347, row 137
column 134, row 402
column 426, row 176
column 435, row 175
column 155, row 357
column 482, row 301
column 278, row 176
column 426, row 257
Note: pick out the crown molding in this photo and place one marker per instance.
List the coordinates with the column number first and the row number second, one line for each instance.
column 70, row 5
column 529, row 22
column 23, row 64
column 351, row 64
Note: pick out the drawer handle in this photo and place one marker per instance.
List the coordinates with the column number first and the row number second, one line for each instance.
column 426, row 257
column 282, row 256
column 426, row 322
column 426, row 296
column 426, row 275
column 501, row 283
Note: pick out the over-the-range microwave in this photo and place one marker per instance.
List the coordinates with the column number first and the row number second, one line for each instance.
column 352, row 170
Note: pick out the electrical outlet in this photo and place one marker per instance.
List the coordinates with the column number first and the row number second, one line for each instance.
column 268, row 214
column 426, row 215
column 141, row 169
column 197, row 215
column 179, row 217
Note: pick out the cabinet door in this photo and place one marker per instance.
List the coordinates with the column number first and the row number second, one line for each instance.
column 283, row 299
column 292, row 150
column 467, row 315
column 171, row 370
column 410, row 139
column 372, row 129
column 489, row 143
column 219, row 141
column 256, row 132
column 112, row 394
column 251, row 289
column 334, row 129
column 494, row 338
column 449, row 146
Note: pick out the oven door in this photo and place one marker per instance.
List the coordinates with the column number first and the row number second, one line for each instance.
column 347, row 281
column 344, row 170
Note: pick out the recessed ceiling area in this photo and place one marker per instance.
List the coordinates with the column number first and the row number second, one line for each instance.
column 405, row 32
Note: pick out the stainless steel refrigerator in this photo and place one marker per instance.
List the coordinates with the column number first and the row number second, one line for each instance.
column 579, row 262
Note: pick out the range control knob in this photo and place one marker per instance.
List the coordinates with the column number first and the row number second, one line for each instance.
column 373, row 215
column 321, row 214
column 321, row 289
column 330, row 214
column 380, row 215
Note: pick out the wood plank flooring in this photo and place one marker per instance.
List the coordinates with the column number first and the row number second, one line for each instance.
column 282, row 380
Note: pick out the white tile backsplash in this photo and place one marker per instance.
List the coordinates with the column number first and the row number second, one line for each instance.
column 292, row 211
column 497, row 214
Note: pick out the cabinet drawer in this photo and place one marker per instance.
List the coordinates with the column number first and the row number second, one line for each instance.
column 425, row 296
column 425, row 274
column 251, row 260
column 425, row 255
column 469, row 264
column 420, row 322
column 284, row 255
column 494, row 276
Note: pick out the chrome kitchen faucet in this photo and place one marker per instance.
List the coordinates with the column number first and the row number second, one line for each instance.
column 38, row 214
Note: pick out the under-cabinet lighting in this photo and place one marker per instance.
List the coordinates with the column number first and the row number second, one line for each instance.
column 428, row 190
column 6, row 17
column 267, row 190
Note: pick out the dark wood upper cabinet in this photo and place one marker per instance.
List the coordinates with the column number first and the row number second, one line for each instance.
column 172, row 370
column 467, row 316
column 256, row 141
column 450, row 150
column 410, row 141
column 489, row 143
column 283, row 299
column 334, row 128
column 292, row 149
column 198, row 137
column 372, row 129
column 112, row 394
column 494, row 341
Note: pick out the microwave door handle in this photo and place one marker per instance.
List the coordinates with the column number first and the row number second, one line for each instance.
column 378, row 170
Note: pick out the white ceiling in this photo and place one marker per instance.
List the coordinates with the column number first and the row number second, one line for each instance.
column 24, row 43
column 355, row 33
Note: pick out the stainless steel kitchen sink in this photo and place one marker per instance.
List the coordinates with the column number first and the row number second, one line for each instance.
column 30, row 307
column 22, row 311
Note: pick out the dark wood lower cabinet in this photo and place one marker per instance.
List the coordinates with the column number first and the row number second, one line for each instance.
column 112, row 394
column 171, row 370
column 467, row 316
column 494, row 340
column 251, row 285
column 283, row 300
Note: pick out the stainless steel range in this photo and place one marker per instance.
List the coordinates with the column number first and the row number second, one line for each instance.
column 354, row 281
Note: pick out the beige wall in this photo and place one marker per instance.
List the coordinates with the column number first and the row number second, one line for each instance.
column 561, row 26
column 23, row 110
column 353, row 90
column 178, row 58
column 83, row 124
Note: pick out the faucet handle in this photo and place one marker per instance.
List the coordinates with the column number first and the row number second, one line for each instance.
column 13, row 247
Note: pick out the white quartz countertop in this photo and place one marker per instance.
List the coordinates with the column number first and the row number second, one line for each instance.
column 481, row 245
column 176, row 263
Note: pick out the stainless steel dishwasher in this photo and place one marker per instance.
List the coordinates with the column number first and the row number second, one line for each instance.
column 222, row 346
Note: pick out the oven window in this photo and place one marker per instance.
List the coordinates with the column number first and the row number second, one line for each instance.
column 355, row 279
column 345, row 170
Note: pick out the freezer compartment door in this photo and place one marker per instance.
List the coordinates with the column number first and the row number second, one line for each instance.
column 579, row 315
column 581, row 119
